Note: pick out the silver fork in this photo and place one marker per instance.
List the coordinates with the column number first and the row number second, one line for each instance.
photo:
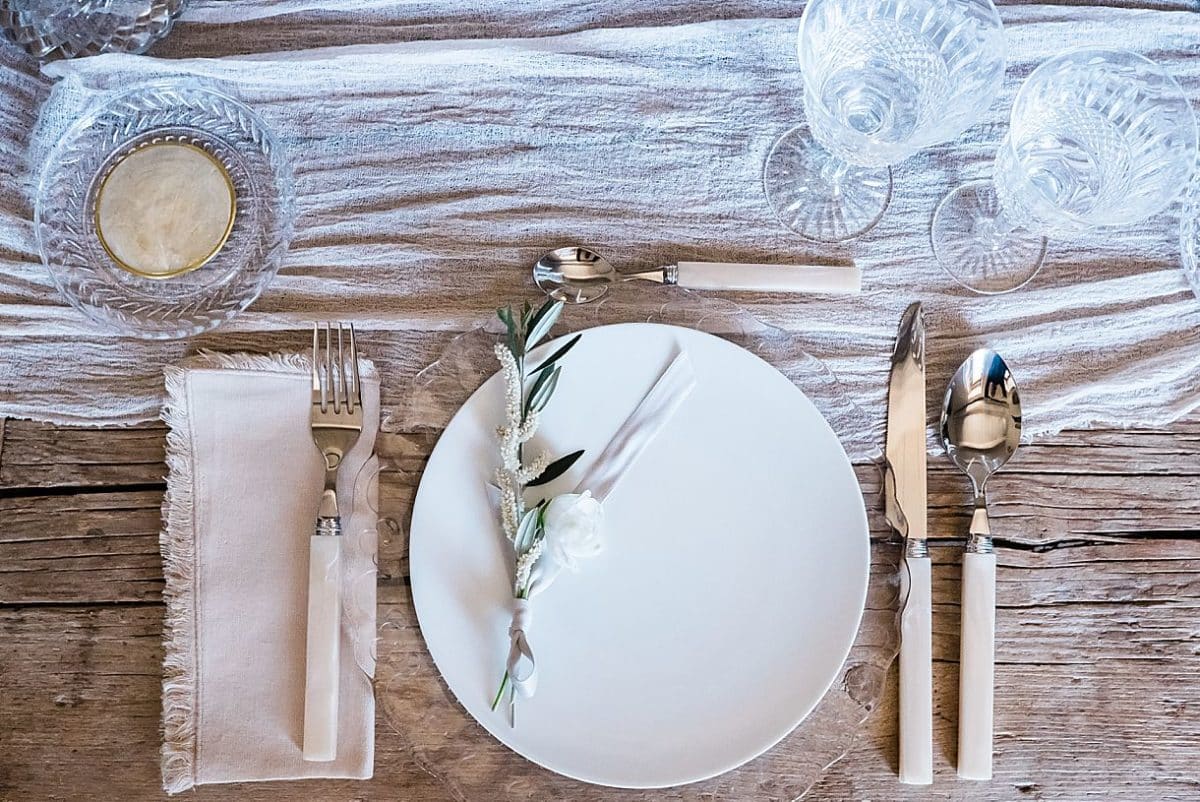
column 336, row 417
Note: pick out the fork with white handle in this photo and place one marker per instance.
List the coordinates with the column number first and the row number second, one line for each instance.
column 337, row 419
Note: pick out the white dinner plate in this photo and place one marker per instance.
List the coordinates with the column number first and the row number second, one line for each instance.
column 724, row 604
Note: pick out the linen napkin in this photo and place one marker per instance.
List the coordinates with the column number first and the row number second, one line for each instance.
column 242, row 493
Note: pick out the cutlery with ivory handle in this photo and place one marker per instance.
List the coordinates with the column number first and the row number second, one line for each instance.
column 579, row 275
column 337, row 419
column 905, row 501
column 981, row 429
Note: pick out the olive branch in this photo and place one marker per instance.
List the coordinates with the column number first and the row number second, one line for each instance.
column 526, row 394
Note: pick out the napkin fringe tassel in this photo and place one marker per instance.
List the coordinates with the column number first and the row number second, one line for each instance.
column 177, row 544
column 178, row 555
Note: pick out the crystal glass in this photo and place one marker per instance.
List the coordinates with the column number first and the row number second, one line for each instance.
column 179, row 111
column 1098, row 137
column 67, row 28
column 883, row 79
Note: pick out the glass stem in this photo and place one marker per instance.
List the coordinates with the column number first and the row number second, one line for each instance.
column 1003, row 224
column 834, row 172
column 997, row 227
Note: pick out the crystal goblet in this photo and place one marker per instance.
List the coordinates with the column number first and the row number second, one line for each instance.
column 1098, row 137
column 883, row 79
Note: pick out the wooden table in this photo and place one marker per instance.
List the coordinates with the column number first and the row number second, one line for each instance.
column 1098, row 640
column 1098, row 627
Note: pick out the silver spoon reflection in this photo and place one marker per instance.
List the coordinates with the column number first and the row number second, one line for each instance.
column 580, row 275
column 981, row 419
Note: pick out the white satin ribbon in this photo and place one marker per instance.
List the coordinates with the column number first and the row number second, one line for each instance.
column 640, row 428
column 653, row 412
column 522, row 668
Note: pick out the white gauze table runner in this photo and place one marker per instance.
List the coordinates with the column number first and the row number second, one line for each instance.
column 241, row 505
column 431, row 174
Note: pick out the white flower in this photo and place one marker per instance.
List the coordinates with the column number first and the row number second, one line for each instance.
column 574, row 526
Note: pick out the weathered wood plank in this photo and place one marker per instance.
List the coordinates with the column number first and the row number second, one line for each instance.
column 1097, row 640
column 38, row 455
column 82, row 548
column 102, row 548
column 1082, row 677
column 81, row 709
column 278, row 27
column 69, row 543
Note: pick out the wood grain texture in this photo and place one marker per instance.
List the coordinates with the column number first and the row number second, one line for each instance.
column 290, row 26
column 1098, row 594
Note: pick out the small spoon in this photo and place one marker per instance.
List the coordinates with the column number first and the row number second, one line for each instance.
column 981, row 429
column 580, row 276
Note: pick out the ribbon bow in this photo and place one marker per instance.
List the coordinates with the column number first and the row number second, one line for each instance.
column 522, row 667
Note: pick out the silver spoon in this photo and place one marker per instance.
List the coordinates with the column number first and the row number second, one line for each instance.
column 981, row 429
column 580, row 276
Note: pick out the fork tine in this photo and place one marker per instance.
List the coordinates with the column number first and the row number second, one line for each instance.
column 327, row 388
column 343, row 393
column 316, row 375
column 357, row 389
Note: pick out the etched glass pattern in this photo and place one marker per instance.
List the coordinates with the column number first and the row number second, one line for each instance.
column 1098, row 137
column 886, row 79
column 181, row 111
column 67, row 28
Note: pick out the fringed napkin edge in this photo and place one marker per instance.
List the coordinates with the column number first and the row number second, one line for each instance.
column 177, row 547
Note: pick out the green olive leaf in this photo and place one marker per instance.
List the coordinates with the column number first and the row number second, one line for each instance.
column 543, row 321
column 556, row 469
column 557, row 355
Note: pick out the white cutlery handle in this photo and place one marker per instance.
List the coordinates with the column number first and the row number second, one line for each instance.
column 916, row 674
column 977, row 666
column 770, row 278
column 322, row 648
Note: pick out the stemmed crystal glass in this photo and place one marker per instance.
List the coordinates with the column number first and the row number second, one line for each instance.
column 54, row 28
column 882, row 79
column 1098, row 137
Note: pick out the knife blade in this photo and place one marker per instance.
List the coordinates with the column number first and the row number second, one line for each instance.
column 905, row 507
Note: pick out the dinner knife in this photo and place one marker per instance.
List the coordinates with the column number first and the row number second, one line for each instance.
column 905, row 503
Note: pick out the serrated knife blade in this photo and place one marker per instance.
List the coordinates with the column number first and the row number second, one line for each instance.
column 905, row 506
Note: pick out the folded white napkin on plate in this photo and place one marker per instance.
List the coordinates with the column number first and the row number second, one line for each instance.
column 245, row 480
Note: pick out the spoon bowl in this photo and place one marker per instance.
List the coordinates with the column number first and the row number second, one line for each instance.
column 574, row 275
column 981, row 418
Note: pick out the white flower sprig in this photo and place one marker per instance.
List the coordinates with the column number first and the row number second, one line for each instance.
column 526, row 394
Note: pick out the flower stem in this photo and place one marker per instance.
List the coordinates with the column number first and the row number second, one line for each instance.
column 500, row 693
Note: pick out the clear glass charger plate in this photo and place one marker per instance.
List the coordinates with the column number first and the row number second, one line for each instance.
column 184, row 112
column 421, row 713
column 69, row 28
